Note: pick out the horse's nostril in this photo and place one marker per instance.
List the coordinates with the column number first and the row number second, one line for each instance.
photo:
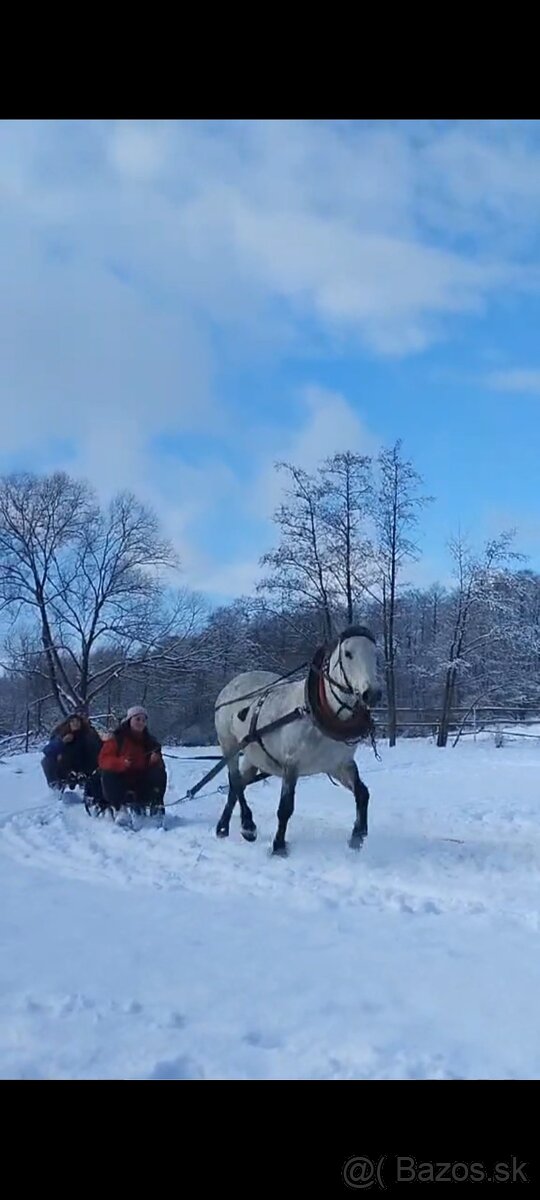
column 366, row 696
column 371, row 696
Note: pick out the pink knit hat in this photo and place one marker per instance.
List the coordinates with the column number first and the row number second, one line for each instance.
column 136, row 711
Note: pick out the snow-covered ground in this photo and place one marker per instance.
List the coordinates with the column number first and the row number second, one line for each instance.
column 172, row 955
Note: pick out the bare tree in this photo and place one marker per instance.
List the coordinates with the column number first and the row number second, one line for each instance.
column 89, row 577
column 179, row 677
column 396, row 509
column 94, row 618
column 480, row 614
column 109, row 588
column 299, row 567
column 40, row 519
column 348, row 492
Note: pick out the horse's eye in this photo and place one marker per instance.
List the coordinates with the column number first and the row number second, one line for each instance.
column 348, row 654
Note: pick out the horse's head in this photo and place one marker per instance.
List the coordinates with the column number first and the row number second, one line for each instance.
column 352, row 668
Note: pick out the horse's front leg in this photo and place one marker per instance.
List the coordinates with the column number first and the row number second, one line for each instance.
column 285, row 810
column 349, row 776
column 237, row 783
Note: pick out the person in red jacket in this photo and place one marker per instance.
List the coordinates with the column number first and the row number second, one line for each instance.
column 132, row 769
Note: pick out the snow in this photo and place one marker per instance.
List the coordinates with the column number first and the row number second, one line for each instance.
column 168, row 954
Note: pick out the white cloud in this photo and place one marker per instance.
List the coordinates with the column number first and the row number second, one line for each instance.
column 389, row 289
column 133, row 251
column 138, row 151
column 515, row 379
column 484, row 180
column 227, row 580
column 229, row 219
column 329, row 425
column 525, row 523
column 428, row 570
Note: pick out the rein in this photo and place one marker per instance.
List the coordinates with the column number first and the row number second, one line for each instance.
column 264, row 688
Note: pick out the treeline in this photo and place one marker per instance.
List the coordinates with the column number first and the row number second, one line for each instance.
column 92, row 615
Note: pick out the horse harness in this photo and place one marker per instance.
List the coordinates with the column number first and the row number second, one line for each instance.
column 359, row 726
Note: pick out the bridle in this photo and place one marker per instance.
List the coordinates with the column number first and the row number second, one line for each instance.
column 359, row 724
column 335, row 686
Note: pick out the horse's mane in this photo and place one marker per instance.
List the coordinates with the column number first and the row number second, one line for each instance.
column 352, row 631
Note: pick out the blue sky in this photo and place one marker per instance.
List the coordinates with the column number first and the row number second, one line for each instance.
column 183, row 303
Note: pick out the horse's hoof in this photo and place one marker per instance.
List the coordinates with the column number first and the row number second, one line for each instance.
column 249, row 835
column 222, row 831
column 281, row 851
column 356, row 841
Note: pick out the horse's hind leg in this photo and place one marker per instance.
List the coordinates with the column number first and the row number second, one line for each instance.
column 349, row 776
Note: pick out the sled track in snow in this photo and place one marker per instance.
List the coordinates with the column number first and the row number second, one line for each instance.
column 406, row 872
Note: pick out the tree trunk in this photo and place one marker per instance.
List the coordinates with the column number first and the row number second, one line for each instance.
column 348, row 579
column 448, row 696
column 389, row 666
column 391, row 700
column 391, row 684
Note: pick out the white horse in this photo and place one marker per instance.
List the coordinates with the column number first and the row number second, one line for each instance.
column 342, row 688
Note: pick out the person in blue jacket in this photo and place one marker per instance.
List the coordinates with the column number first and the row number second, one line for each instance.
column 71, row 752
